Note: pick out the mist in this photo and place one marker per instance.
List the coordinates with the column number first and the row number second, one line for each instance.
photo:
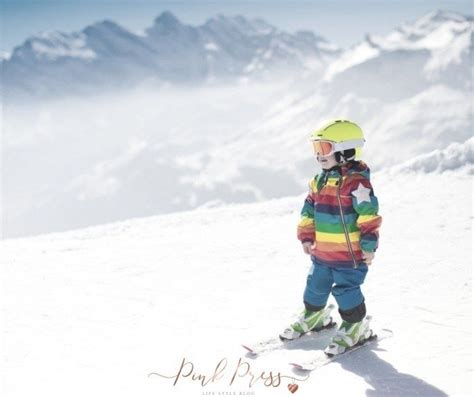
column 74, row 162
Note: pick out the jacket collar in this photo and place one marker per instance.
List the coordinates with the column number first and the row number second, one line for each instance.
column 347, row 168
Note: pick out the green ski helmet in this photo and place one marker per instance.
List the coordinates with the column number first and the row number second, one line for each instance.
column 338, row 136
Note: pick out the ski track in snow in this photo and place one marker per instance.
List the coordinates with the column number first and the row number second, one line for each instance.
column 93, row 311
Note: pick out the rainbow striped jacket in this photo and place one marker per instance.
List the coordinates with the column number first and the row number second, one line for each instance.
column 340, row 216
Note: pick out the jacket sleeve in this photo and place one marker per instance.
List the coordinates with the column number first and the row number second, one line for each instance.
column 368, row 221
column 305, row 232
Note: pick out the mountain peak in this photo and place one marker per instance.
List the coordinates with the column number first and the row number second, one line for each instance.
column 437, row 29
column 105, row 24
column 102, row 27
column 167, row 19
column 441, row 16
column 164, row 23
column 433, row 20
column 249, row 26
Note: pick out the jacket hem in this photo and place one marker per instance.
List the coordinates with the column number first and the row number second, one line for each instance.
column 336, row 264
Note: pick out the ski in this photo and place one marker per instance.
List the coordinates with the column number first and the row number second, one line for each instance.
column 276, row 343
column 323, row 359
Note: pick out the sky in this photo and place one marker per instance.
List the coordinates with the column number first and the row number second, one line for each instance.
column 341, row 22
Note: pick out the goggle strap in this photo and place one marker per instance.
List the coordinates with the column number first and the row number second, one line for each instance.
column 352, row 144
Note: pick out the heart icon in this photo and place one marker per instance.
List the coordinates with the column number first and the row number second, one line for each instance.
column 292, row 387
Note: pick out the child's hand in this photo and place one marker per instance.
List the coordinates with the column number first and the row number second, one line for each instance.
column 307, row 247
column 368, row 257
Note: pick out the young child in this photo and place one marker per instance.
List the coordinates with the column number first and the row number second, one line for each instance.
column 339, row 229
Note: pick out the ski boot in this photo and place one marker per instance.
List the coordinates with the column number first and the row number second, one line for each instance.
column 309, row 321
column 349, row 335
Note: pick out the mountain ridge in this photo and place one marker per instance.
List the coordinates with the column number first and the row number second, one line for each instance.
column 105, row 54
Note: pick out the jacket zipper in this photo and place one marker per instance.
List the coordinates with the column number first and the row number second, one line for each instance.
column 348, row 241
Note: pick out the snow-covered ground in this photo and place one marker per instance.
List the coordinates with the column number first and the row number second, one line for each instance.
column 93, row 312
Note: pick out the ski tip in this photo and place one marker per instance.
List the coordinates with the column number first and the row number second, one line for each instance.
column 301, row 367
column 296, row 365
column 249, row 349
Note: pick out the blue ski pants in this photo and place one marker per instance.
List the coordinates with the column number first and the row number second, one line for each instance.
column 343, row 283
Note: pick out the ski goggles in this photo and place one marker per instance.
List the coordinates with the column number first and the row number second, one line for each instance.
column 326, row 148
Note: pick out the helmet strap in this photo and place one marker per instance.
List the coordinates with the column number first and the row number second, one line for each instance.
column 345, row 156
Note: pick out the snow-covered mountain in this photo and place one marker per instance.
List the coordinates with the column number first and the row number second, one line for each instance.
column 106, row 55
column 436, row 48
column 446, row 35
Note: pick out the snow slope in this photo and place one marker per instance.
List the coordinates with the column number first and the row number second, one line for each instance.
column 95, row 311
column 457, row 156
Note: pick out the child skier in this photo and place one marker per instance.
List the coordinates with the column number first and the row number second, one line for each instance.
column 339, row 229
